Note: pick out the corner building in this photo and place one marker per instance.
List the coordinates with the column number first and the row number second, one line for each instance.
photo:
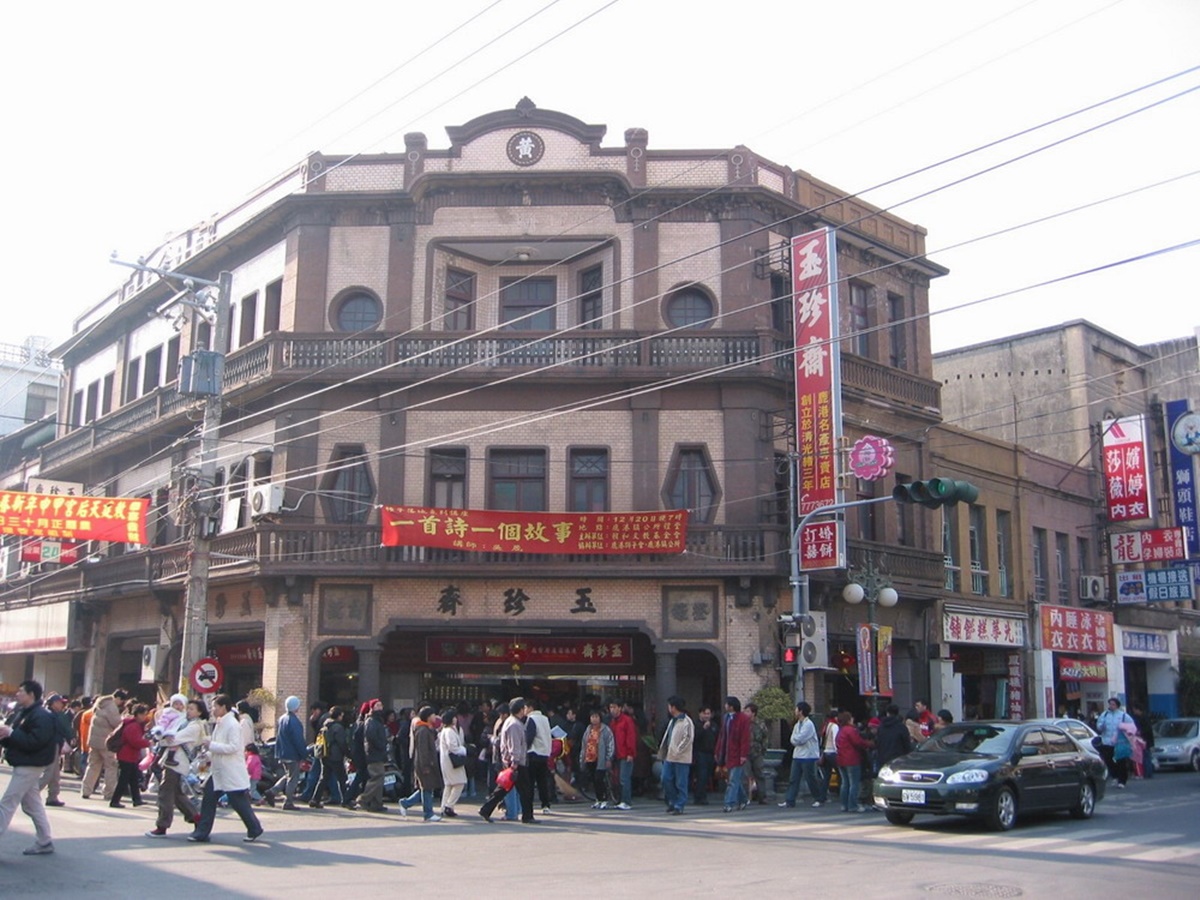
column 525, row 320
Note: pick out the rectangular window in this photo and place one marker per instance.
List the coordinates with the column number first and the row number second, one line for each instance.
column 1004, row 552
column 977, row 541
column 591, row 297
column 133, row 374
column 247, row 321
column 152, row 373
column 904, row 516
column 448, row 478
column 1040, row 550
column 1083, row 555
column 93, row 401
column 517, row 480
column 589, row 481
column 860, row 319
column 781, row 303
column 865, row 490
column 527, row 304
column 898, row 333
column 274, row 301
column 172, row 372
column 39, row 400
column 460, row 300
column 76, row 414
column 950, row 549
column 1062, row 567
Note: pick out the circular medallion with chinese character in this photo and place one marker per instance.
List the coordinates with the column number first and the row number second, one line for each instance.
column 1185, row 434
column 525, row 148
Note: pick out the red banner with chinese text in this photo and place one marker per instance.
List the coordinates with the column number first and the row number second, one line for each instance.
column 498, row 531
column 1077, row 630
column 120, row 519
column 536, row 651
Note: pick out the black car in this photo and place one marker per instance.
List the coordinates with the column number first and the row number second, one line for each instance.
column 992, row 771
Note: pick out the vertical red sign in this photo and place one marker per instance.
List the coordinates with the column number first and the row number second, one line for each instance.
column 1126, row 470
column 818, row 386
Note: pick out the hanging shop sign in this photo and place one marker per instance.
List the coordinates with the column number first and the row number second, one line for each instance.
column 1082, row 670
column 534, row 651
column 37, row 629
column 883, row 661
column 1126, row 470
column 1184, row 428
column 1174, row 583
column 498, row 531
column 1145, row 643
column 820, row 546
column 1078, row 630
column 118, row 519
column 45, row 550
column 817, row 372
column 1149, row 545
column 1016, row 687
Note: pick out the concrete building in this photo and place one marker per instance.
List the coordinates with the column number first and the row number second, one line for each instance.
column 525, row 320
column 1051, row 390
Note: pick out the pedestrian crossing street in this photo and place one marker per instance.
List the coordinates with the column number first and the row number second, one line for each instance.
column 1068, row 839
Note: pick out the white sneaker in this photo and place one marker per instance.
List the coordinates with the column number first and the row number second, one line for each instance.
column 434, row 818
column 624, row 805
column 545, row 810
column 817, row 804
column 603, row 804
column 596, row 805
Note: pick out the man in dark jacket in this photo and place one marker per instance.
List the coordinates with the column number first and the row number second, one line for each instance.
column 375, row 743
column 892, row 739
column 52, row 776
column 704, row 748
column 29, row 739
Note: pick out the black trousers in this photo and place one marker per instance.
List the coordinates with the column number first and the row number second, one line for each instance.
column 524, row 789
column 539, row 773
column 239, row 802
column 129, row 779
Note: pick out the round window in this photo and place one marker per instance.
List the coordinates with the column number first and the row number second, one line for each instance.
column 689, row 308
column 359, row 312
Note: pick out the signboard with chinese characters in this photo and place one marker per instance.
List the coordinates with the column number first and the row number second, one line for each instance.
column 37, row 629
column 1164, row 585
column 1184, row 428
column 498, row 531
column 345, row 609
column 689, row 612
column 1126, row 470
column 821, row 546
column 817, row 368
column 1150, row 545
column 54, row 488
column 1016, row 687
column 118, row 519
column 982, row 628
column 1131, row 587
column 866, row 659
column 883, row 678
column 1077, row 630
column 41, row 550
column 534, row 651
column 1145, row 643
column 1082, row 669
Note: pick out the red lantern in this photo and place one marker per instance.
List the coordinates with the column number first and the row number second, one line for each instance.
column 516, row 655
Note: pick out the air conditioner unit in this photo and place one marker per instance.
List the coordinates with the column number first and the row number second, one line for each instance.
column 814, row 641
column 150, row 657
column 266, row 500
column 1091, row 587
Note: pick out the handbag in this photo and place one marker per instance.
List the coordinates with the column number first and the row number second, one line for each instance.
column 458, row 760
column 506, row 779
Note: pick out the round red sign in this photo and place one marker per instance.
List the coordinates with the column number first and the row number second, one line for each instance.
column 206, row 676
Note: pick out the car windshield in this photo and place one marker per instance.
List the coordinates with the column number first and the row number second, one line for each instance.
column 1176, row 728
column 990, row 739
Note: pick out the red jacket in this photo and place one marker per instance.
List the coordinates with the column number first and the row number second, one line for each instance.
column 733, row 744
column 851, row 748
column 625, row 735
column 133, row 740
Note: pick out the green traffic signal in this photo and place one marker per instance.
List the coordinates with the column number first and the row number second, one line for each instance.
column 936, row 492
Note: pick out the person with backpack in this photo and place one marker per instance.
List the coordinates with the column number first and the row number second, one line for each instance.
column 332, row 748
column 129, row 747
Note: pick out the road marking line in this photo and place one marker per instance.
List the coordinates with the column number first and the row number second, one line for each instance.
column 1164, row 854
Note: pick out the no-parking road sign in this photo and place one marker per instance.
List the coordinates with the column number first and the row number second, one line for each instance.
column 207, row 675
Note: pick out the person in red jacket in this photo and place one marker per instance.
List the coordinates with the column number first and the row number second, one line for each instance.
column 625, row 738
column 733, row 750
column 133, row 743
column 852, row 749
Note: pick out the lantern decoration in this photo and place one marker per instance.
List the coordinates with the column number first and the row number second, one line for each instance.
column 516, row 655
column 846, row 661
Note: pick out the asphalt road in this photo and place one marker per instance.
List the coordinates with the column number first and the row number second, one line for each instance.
column 1142, row 842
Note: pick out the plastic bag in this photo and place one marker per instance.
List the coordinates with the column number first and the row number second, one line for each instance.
column 506, row 779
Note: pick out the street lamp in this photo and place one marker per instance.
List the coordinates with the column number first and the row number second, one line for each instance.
column 874, row 586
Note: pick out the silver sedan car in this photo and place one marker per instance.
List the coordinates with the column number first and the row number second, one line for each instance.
column 1177, row 744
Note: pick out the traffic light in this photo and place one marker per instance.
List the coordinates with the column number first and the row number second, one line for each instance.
column 936, row 492
column 789, row 662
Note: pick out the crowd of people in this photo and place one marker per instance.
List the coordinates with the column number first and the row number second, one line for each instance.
column 204, row 755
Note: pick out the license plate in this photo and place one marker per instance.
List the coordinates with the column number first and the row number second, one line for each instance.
column 907, row 796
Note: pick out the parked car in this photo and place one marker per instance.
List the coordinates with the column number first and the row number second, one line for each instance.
column 992, row 771
column 1177, row 744
column 1083, row 733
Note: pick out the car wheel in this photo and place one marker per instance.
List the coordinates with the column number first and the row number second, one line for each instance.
column 1086, row 805
column 1003, row 814
column 898, row 816
column 1196, row 760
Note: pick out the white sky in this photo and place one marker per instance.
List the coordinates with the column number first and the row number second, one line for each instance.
column 128, row 122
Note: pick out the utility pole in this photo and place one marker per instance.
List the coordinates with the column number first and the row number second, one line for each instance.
column 205, row 507
column 204, row 369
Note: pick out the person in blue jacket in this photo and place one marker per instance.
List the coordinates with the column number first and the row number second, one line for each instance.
column 290, row 750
